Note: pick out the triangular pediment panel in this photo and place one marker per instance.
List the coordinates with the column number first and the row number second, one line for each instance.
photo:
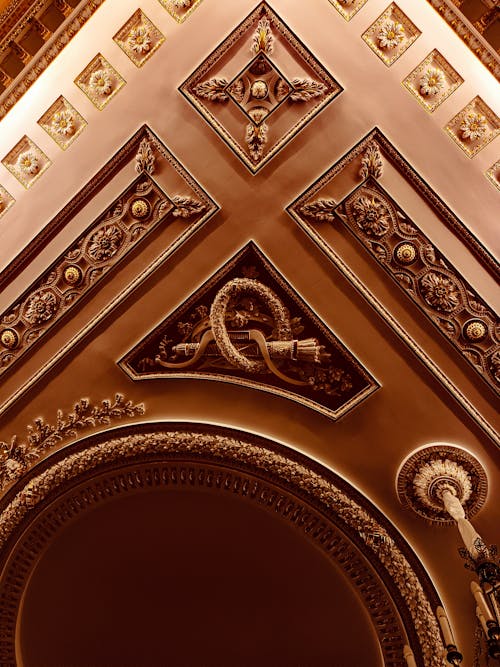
column 246, row 325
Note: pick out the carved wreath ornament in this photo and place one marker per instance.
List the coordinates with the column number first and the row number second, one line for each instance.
column 248, row 328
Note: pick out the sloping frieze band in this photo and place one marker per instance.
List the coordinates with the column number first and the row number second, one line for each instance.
column 48, row 53
column 81, row 267
column 478, row 419
column 426, row 276
column 300, row 490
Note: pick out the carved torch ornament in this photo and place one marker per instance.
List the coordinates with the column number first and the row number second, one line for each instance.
column 224, row 332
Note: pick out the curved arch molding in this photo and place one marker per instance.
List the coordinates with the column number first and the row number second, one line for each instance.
column 325, row 509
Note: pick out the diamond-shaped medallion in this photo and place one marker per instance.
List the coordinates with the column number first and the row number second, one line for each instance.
column 259, row 89
column 180, row 9
column 139, row 38
column 493, row 175
column 347, row 8
column 100, row 81
column 262, row 68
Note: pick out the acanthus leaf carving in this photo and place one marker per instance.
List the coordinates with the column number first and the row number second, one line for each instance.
column 256, row 139
column 214, row 89
column 321, row 209
column 306, row 89
column 371, row 162
column 145, row 159
column 185, row 207
column 263, row 37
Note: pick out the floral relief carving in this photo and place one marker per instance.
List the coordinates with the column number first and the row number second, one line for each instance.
column 180, row 10
column 120, row 228
column 432, row 81
column 371, row 162
column 391, row 34
column 348, row 8
column 26, row 162
column 419, row 268
column 372, row 215
column 440, row 292
column 139, row 38
column 322, row 490
column 6, row 201
column 105, row 243
column 18, row 455
column 260, row 90
column 62, row 122
column 100, row 81
column 145, row 158
column 41, row 307
column 247, row 326
column 474, row 127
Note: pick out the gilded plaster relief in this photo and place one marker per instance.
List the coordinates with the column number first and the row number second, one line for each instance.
column 418, row 267
column 180, row 10
column 415, row 264
column 100, row 81
column 493, row 174
column 433, row 81
column 347, row 8
column 6, row 200
column 63, row 122
column 139, row 38
column 474, row 127
column 391, row 34
column 21, row 453
column 247, row 326
column 255, row 105
column 121, row 227
column 26, row 162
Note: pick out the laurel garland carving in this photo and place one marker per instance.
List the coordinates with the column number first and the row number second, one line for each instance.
column 18, row 455
column 421, row 270
column 98, row 250
column 253, row 457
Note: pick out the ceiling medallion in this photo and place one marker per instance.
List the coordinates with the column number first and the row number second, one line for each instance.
column 474, row 127
column 263, row 92
column 405, row 253
column 347, row 8
column 140, row 208
column 139, row 38
column 247, row 326
column 391, row 34
column 9, row 338
column 429, row 471
column 433, row 81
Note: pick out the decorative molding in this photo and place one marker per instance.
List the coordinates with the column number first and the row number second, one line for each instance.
column 19, row 455
column 80, row 268
column 347, row 8
column 425, row 275
column 48, row 53
column 298, row 489
column 6, row 201
column 62, row 122
column 352, row 161
column 474, row 127
column 428, row 471
column 493, row 174
column 180, row 10
column 468, row 34
column 139, row 38
column 260, row 91
column 100, row 81
column 433, row 81
column 391, row 34
column 247, row 326
column 26, row 162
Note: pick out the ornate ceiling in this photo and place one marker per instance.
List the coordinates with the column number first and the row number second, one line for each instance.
column 278, row 219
